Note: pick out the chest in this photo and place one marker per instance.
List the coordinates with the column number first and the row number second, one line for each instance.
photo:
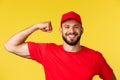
column 70, row 65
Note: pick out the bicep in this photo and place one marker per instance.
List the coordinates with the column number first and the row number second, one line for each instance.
column 22, row 50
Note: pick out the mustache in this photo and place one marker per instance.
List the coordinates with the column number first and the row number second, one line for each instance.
column 74, row 33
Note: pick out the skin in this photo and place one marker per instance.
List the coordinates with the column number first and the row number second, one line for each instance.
column 71, row 30
column 17, row 45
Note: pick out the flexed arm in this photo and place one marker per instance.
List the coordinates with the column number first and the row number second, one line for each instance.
column 16, row 44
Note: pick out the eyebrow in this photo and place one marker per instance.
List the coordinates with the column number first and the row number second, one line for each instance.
column 73, row 25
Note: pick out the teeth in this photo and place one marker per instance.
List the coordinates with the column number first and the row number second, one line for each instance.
column 71, row 36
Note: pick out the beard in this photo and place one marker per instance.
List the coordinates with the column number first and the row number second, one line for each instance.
column 72, row 42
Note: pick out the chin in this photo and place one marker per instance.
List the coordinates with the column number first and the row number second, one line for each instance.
column 71, row 42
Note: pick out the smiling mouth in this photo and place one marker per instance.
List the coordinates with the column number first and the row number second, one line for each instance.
column 72, row 36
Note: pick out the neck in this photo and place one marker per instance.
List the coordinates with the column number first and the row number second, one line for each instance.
column 70, row 48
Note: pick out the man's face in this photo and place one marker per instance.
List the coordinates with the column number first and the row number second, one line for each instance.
column 71, row 31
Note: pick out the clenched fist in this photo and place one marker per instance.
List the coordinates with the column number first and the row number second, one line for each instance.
column 44, row 26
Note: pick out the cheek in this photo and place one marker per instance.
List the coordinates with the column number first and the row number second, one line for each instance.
column 62, row 31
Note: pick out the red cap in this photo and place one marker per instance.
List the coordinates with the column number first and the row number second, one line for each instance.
column 71, row 15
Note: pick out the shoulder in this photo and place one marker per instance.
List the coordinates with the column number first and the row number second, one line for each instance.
column 92, row 52
column 52, row 46
column 95, row 56
column 87, row 49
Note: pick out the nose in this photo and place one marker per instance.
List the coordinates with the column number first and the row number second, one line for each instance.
column 71, row 29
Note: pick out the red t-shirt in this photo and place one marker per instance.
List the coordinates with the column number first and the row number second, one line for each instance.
column 62, row 65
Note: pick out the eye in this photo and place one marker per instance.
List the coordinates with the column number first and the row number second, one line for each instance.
column 66, row 26
column 76, row 26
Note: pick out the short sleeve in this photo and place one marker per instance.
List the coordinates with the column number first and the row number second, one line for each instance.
column 36, row 51
column 105, row 70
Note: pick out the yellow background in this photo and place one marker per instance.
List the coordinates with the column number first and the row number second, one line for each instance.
column 101, row 22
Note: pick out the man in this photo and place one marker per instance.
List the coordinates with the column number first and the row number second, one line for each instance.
column 69, row 61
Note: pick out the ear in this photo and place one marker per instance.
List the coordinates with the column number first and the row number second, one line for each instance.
column 82, row 29
column 61, row 30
